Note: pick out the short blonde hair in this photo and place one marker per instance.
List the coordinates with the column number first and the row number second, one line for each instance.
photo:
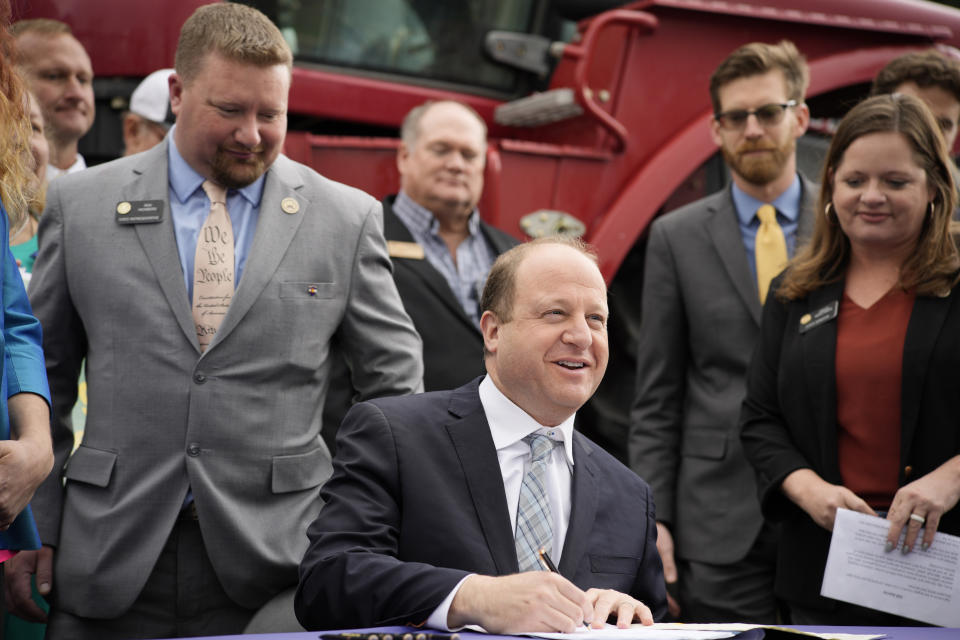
column 235, row 31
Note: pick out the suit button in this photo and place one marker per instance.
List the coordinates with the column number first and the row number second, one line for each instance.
column 199, row 378
column 907, row 471
column 193, row 449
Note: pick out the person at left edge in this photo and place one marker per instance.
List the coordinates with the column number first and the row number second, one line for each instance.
column 425, row 521
column 25, row 453
column 181, row 439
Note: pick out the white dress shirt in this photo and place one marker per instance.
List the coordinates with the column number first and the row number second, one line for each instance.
column 509, row 425
column 78, row 165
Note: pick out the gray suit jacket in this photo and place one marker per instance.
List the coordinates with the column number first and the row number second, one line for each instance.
column 701, row 320
column 238, row 424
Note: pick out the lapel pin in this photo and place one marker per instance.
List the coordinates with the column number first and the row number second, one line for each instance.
column 806, row 318
column 289, row 205
column 312, row 290
column 123, row 208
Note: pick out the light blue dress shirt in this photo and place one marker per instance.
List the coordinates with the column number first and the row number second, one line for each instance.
column 475, row 256
column 189, row 206
column 788, row 215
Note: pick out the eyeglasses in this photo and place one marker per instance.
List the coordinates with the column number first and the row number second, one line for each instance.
column 769, row 115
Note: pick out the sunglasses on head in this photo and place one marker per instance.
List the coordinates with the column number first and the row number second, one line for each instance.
column 768, row 115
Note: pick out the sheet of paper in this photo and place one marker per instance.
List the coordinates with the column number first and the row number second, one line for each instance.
column 638, row 632
column 921, row 585
column 678, row 631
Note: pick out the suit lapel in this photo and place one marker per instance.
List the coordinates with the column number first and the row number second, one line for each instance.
column 923, row 331
column 499, row 243
column 584, row 495
column 819, row 360
column 394, row 229
column 470, row 434
column 158, row 240
column 725, row 234
column 276, row 229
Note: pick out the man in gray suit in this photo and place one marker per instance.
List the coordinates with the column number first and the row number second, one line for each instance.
column 185, row 507
column 708, row 267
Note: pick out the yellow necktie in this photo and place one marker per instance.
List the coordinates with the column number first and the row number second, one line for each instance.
column 770, row 249
column 213, row 267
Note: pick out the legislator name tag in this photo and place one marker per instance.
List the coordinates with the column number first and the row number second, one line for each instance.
column 820, row 316
column 139, row 211
column 400, row 249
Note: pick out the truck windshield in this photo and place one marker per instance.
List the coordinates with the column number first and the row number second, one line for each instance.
column 439, row 40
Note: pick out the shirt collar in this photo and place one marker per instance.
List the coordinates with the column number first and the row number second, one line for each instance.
column 509, row 423
column 184, row 180
column 424, row 220
column 787, row 203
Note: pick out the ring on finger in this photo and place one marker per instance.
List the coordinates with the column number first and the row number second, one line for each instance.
column 918, row 518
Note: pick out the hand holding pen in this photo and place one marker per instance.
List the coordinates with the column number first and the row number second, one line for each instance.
column 606, row 602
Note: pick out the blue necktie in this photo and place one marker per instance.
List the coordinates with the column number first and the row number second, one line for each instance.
column 534, row 520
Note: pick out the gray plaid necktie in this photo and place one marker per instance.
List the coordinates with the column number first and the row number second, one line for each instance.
column 534, row 521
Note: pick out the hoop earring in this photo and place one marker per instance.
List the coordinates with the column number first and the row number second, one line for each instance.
column 827, row 210
column 931, row 208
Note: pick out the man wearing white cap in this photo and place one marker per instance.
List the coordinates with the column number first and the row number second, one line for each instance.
column 149, row 117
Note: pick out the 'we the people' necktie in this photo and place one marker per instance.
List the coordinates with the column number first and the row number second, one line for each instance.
column 213, row 267
column 770, row 249
column 534, row 520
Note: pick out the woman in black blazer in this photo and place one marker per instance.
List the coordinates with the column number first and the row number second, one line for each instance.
column 853, row 394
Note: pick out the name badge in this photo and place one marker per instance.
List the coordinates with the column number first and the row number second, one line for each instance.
column 399, row 249
column 820, row 316
column 139, row 212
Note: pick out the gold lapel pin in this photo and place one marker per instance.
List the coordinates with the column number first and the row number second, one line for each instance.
column 123, row 208
column 290, row 205
column 806, row 318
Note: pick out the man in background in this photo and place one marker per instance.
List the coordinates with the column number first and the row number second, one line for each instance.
column 708, row 269
column 58, row 71
column 149, row 118
column 440, row 248
column 930, row 76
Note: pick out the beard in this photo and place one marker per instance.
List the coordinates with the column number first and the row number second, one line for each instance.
column 236, row 173
column 760, row 169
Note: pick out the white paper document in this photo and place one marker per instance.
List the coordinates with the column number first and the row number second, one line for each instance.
column 921, row 585
column 681, row 631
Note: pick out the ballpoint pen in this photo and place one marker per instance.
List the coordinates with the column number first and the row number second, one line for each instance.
column 549, row 566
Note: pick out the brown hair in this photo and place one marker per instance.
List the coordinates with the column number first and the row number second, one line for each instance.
column 15, row 156
column 410, row 129
column 932, row 267
column 500, row 290
column 758, row 58
column 235, row 31
column 924, row 68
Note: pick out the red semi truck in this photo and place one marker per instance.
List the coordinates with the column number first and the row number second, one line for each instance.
column 598, row 110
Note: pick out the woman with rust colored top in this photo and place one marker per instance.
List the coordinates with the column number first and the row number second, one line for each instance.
column 853, row 395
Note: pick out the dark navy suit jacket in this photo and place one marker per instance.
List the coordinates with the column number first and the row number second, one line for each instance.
column 416, row 502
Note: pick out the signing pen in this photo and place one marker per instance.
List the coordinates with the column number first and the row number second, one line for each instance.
column 548, row 564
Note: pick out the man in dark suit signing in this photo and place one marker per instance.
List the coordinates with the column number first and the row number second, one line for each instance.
column 438, row 502
column 708, row 268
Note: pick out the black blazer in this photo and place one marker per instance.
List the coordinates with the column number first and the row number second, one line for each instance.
column 416, row 502
column 789, row 418
column 452, row 344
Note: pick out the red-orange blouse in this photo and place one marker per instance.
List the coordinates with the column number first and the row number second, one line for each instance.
column 869, row 369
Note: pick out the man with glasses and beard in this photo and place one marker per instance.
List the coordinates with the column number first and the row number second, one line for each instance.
column 708, row 268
